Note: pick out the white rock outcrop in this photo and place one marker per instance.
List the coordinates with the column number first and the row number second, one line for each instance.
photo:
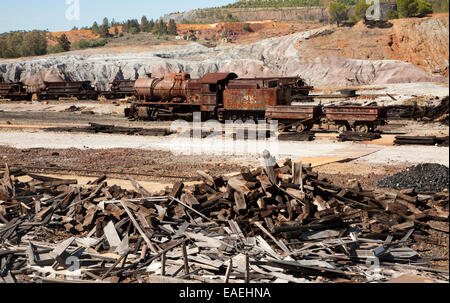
column 270, row 57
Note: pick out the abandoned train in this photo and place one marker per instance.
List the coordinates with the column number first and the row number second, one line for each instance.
column 220, row 96
column 223, row 96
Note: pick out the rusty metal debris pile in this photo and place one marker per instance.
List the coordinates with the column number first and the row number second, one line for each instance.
column 274, row 224
column 438, row 113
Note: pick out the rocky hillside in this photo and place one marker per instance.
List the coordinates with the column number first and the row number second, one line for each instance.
column 214, row 15
column 421, row 41
column 279, row 56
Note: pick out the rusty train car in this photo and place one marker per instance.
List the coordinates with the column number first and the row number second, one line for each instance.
column 120, row 89
column 18, row 91
column 78, row 89
column 224, row 96
column 362, row 119
column 14, row 91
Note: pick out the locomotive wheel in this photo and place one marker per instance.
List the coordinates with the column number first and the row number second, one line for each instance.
column 281, row 127
column 136, row 116
column 301, row 128
column 363, row 128
column 342, row 128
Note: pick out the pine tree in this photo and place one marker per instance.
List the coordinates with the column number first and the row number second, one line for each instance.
column 172, row 29
column 95, row 28
column 144, row 24
column 162, row 27
column 105, row 22
column 64, row 43
column 338, row 12
column 104, row 31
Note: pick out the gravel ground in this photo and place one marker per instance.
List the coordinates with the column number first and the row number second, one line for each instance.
column 423, row 177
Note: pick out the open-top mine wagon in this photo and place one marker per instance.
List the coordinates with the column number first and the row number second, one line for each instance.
column 361, row 119
column 298, row 117
column 120, row 89
column 78, row 89
column 13, row 91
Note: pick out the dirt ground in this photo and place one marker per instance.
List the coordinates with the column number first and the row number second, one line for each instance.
column 156, row 168
column 144, row 164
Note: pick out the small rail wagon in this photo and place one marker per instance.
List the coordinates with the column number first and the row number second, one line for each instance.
column 13, row 91
column 298, row 117
column 78, row 89
column 119, row 89
column 361, row 119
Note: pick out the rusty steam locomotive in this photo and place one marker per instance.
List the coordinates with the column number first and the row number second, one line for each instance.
column 224, row 96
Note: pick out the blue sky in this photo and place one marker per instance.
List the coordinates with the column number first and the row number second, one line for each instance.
column 51, row 14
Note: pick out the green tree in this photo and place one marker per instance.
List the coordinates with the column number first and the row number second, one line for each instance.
column 144, row 24
column 151, row 25
column 359, row 11
column 96, row 28
column 64, row 43
column 337, row 12
column 105, row 22
column 440, row 6
column 160, row 28
column 134, row 30
column 413, row 8
column 130, row 24
column 423, row 8
column 104, row 31
column 406, row 8
column 172, row 28
column 391, row 14
column 22, row 44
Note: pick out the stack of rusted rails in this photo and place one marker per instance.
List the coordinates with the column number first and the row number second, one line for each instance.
column 355, row 136
column 111, row 129
column 421, row 140
column 278, row 223
column 304, row 136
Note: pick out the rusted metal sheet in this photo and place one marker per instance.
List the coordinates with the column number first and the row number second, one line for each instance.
column 213, row 78
column 254, row 99
column 297, row 112
column 243, row 85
